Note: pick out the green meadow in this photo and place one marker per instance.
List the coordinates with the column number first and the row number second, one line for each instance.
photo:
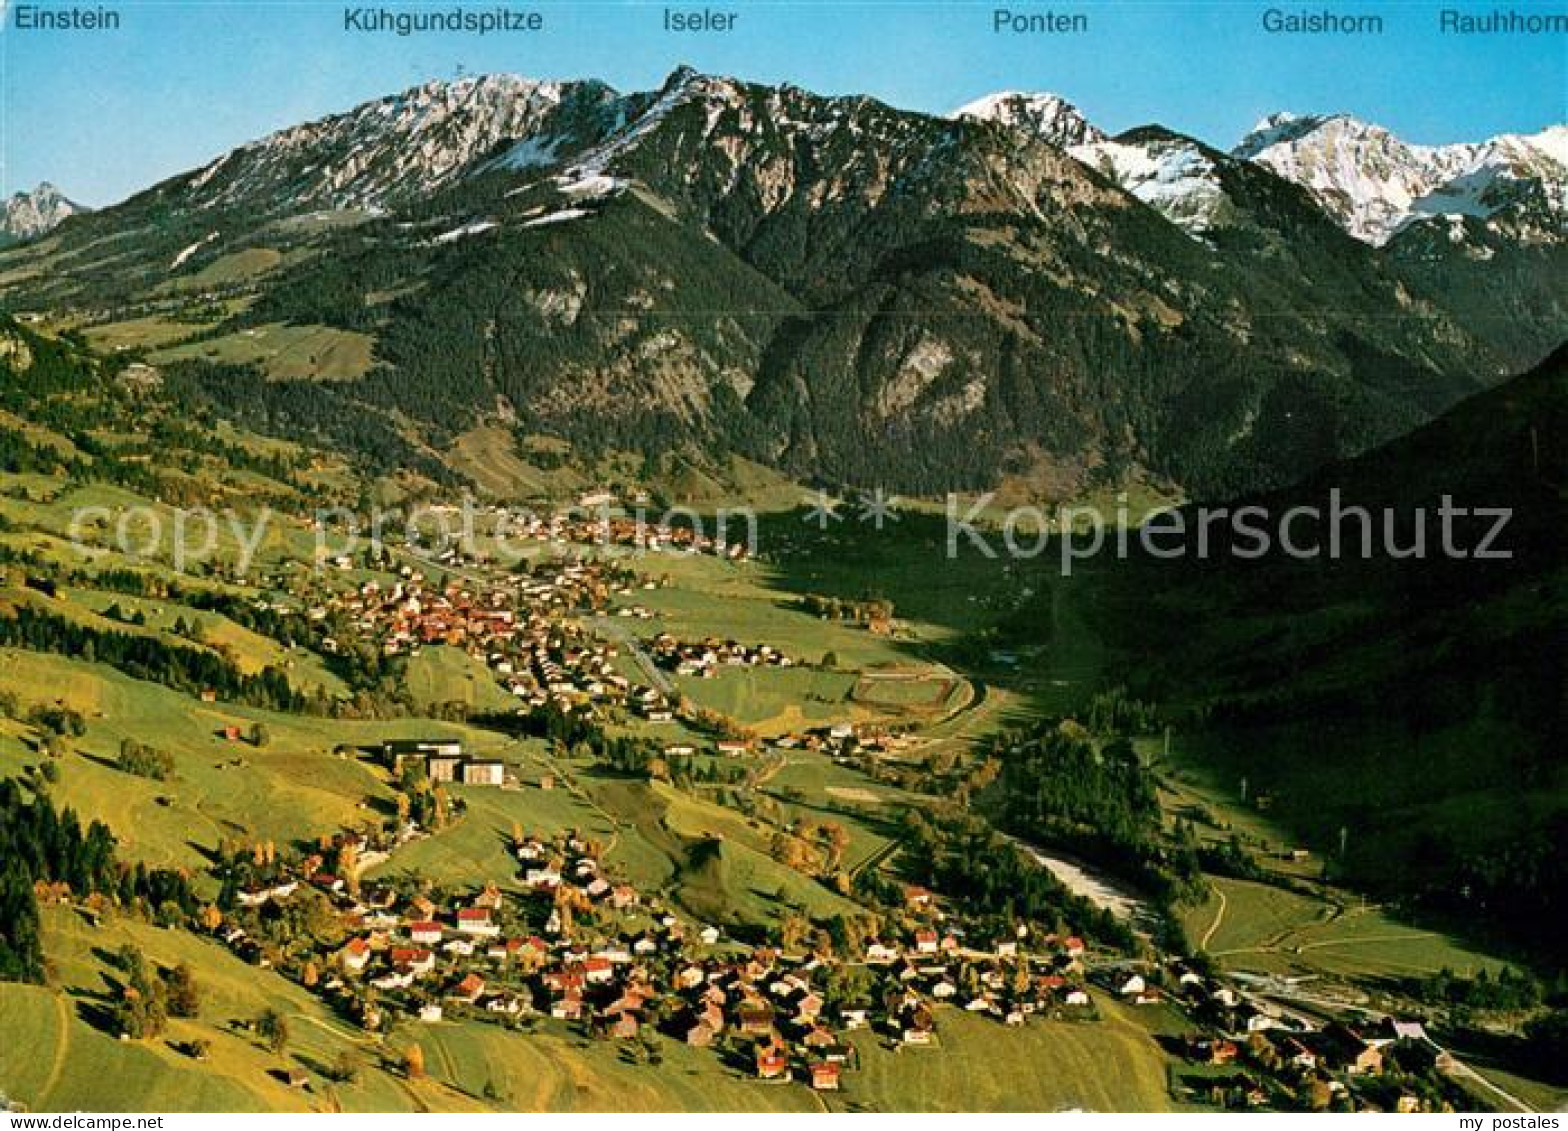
column 1258, row 927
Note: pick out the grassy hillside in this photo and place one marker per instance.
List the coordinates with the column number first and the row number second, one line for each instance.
column 295, row 786
column 1254, row 926
column 1050, row 1066
column 88, row 1069
column 473, row 1065
column 711, row 848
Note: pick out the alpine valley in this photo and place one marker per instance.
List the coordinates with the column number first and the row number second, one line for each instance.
column 369, row 742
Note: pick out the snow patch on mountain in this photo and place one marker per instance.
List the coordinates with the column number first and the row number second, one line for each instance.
column 561, row 217
column 408, row 145
column 1048, row 117
column 1375, row 184
column 530, row 153
column 595, row 187
column 476, row 228
column 1170, row 174
column 185, row 254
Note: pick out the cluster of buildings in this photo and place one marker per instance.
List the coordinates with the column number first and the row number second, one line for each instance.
column 600, row 518
column 583, row 947
column 847, row 741
column 705, row 659
column 410, row 612
column 637, row 531
column 527, row 628
column 442, row 760
column 576, row 944
column 523, row 629
column 1261, row 1053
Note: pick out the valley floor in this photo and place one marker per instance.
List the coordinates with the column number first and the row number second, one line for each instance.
column 848, row 733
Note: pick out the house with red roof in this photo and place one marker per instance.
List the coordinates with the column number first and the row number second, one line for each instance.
column 470, row 989
column 771, row 1063
column 414, row 960
column 477, row 921
column 355, row 955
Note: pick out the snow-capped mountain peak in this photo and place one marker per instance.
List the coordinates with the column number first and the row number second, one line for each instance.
column 1048, row 117
column 1170, row 173
column 28, row 215
column 405, row 145
column 1375, row 184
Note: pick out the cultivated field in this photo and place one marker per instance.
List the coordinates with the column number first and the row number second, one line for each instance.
column 1254, row 926
column 316, row 353
column 1113, row 1065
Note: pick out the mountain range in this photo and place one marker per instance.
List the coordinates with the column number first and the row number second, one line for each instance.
column 1377, row 185
column 841, row 289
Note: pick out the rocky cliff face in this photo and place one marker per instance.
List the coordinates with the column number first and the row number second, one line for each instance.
column 28, row 215
column 1376, row 185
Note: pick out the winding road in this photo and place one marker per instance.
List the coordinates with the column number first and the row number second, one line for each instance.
column 1219, row 918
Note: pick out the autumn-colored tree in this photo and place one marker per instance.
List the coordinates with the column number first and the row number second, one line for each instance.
column 792, row 852
column 837, row 838
column 348, row 867
column 414, row 1062
column 183, row 993
column 793, row 932
column 345, row 1067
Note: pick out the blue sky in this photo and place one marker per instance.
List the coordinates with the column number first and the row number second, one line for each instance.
column 103, row 115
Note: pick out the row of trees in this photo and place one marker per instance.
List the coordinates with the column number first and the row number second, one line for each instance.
column 188, row 670
column 962, row 855
column 145, row 761
column 42, row 845
column 1059, row 784
column 842, row 609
